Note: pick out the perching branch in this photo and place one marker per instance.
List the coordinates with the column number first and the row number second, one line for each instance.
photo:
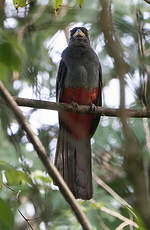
column 38, row 104
column 51, row 169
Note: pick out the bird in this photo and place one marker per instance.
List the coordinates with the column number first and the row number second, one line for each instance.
column 79, row 82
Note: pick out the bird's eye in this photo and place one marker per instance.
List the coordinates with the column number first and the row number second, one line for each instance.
column 73, row 31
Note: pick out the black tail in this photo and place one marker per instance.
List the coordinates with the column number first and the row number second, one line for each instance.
column 73, row 160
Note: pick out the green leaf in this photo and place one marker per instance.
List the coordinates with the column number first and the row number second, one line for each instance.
column 6, row 216
column 80, row 2
column 39, row 175
column 20, row 3
column 140, row 223
column 93, row 205
column 44, row 179
column 96, row 205
column 8, row 56
column 100, row 204
column 15, row 177
column 57, row 4
column 4, row 72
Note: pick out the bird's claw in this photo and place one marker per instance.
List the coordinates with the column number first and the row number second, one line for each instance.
column 75, row 105
column 92, row 107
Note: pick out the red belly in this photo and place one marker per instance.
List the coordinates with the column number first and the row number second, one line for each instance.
column 78, row 124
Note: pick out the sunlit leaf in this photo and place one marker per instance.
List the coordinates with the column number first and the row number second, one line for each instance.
column 6, row 216
column 96, row 205
column 80, row 2
column 39, row 175
column 20, row 3
column 93, row 205
column 15, row 177
column 57, row 4
column 100, row 204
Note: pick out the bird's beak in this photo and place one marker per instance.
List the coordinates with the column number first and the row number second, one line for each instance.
column 79, row 33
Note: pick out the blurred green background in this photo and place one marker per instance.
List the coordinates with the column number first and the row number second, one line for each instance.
column 32, row 38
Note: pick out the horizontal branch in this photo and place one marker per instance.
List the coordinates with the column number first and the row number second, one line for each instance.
column 38, row 104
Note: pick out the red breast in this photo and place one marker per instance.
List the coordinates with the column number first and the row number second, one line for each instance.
column 78, row 124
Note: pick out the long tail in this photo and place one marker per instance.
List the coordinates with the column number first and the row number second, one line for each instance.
column 73, row 160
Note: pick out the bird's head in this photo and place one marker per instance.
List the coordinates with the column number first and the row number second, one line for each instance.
column 79, row 34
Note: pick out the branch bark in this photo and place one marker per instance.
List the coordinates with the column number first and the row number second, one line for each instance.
column 51, row 169
column 38, row 104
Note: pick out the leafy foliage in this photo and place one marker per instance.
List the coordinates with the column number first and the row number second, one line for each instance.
column 6, row 216
column 56, row 4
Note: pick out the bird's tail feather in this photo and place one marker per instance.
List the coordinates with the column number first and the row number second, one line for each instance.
column 73, row 160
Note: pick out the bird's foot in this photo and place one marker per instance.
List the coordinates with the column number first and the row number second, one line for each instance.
column 75, row 105
column 92, row 107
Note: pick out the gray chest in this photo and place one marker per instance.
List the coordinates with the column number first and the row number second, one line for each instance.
column 82, row 68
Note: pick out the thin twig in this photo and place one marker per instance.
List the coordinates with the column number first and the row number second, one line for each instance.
column 51, row 169
column 119, row 216
column 113, row 213
column 9, row 188
column 25, row 219
column 110, row 191
column 103, row 225
column 122, row 225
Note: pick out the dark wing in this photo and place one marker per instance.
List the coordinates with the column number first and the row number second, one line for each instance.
column 98, row 103
column 62, row 70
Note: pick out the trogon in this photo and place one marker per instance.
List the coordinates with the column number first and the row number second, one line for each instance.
column 79, row 82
